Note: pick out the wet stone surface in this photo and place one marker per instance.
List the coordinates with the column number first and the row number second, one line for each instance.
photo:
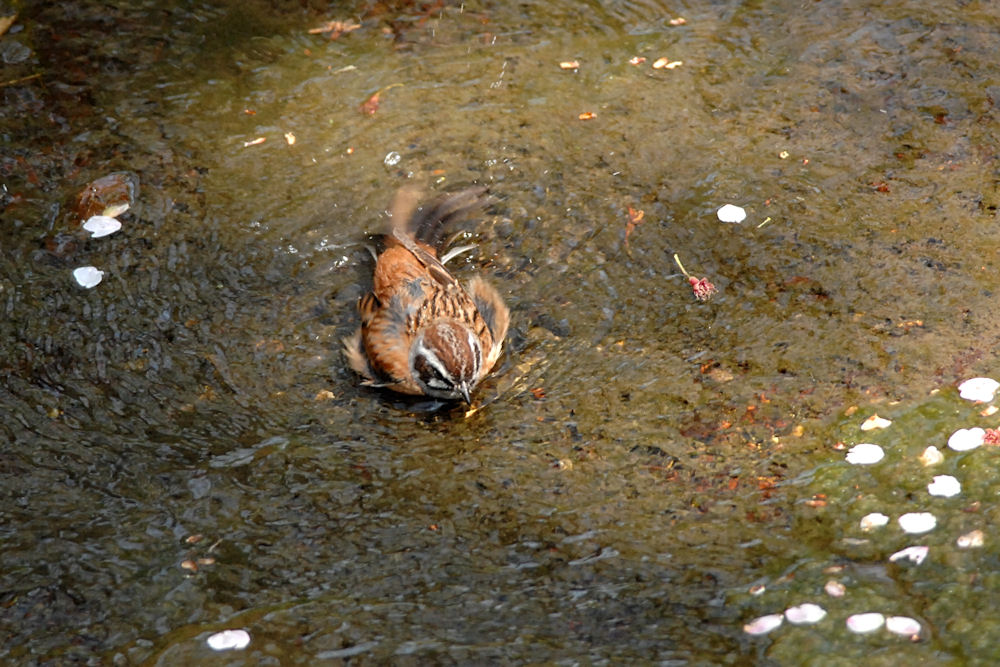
column 184, row 451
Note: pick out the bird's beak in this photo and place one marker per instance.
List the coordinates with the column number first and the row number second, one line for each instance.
column 466, row 392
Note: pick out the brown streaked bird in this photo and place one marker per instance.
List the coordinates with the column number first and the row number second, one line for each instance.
column 421, row 332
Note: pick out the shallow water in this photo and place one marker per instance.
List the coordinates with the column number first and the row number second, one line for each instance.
column 184, row 449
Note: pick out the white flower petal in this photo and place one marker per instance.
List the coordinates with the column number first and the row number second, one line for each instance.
column 971, row 539
column 978, row 389
column 874, row 422
column 944, row 485
column 965, row 439
column 903, row 625
column 862, row 623
column 865, row 454
column 805, row 614
column 872, row 521
column 115, row 210
column 763, row 625
column 88, row 276
column 931, row 456
column 101, row 225
column 730, row 213
column 917, row 522
column 835, row 589
column 916, row 555
column 229, row 639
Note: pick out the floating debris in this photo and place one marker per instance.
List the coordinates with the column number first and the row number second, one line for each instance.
column 970, row 540
column 763, row 625
column 865, row 454
column 903, row 625
column 872, row 521
column 805, row 614
column 570, row 64
column 757, row 589
column 109, row 195
column 917, row 522
column 88, row 276
column 101, row 225
column 702, row 288
column 865, row 623
column 290, row 138
column 916, row 555
column 965, row 439
column 667, row 63
column 731, row 213
column 874, row 422
column 636, row 60
column 980, row 390
column 229, row 640
column 931, row 456
column 944, row 485
column 835, row 589
column 392, row 158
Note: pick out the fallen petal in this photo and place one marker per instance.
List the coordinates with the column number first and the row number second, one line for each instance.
column 872, row 521
column 865, row 454
column 730, row 213
column 965, row 439
column 88, row 276
column 978, row 389
column 916, row 555
column 863, row 623
column 835, row 589
column 874, row 422
column 763, row 625
column 229, row 639
column 944, row 485
column 917, row 522
column 970, row 540
column 931, row 456
column 805, row 614
column 101, row 225
column 903, row 625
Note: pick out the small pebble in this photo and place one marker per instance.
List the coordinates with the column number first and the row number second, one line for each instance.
column 931, row 456
column 970, row 540
column 835, row 589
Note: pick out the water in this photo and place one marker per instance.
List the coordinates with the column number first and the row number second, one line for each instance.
column 184, row 449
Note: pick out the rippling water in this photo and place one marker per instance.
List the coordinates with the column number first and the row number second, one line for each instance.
column 183, row 449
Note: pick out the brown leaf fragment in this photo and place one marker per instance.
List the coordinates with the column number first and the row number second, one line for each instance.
column 634, row 218
column 6, row 22
column 587, row 115
column 334, row 29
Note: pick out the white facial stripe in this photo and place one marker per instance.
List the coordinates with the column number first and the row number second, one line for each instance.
column 433, row 360
column 476, row 354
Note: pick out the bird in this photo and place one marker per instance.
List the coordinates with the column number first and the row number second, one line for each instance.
column 422, row 333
